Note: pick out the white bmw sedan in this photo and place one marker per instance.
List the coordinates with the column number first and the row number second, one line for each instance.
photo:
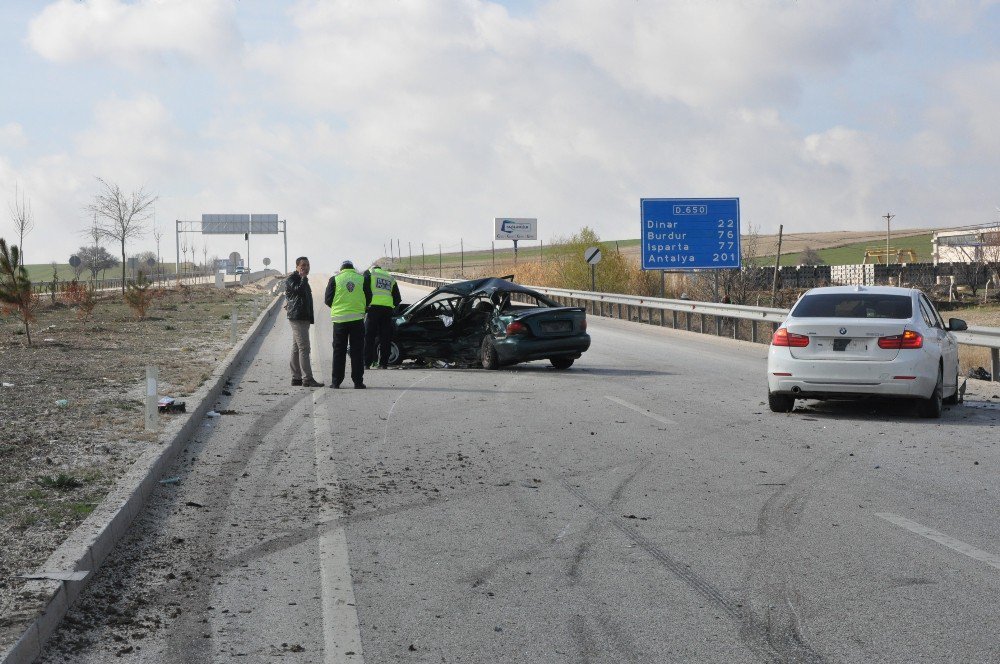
column 844, row 342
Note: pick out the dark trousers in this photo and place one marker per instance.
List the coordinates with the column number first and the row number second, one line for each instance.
column 352, row 332
column 378, row 323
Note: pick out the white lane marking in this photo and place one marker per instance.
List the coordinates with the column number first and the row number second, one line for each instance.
column 640, row 410
column 341, row 629
column 950, row 542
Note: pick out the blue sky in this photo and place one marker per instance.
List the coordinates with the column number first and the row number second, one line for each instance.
column 422, row 120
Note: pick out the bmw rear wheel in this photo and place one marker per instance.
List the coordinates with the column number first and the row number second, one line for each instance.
column 780, row 403
column 932, row 406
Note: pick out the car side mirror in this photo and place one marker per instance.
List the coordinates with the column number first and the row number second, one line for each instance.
column 957, row 325
column 400, row 308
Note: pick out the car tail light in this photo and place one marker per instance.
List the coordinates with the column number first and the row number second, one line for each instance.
column 908, row 339
column 785, row 338
column 583, row 325
column 517, row 327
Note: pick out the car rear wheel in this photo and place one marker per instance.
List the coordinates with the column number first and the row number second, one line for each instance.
column 932, row 406
column 780, row 403
column 561, row 362
column 488, row 354
column 953, row 399
column 395, row 354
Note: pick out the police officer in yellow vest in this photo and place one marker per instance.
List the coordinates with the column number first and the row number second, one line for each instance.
column 346, row 298
column 382, row 295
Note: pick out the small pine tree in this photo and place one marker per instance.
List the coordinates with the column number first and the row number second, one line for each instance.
column 16, row 295
column 139, row 295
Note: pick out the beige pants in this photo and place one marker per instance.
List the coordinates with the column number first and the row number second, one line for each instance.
column 301, row 368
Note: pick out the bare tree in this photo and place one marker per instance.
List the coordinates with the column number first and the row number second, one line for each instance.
column 157, row 235
column 121, row 215
column 24, row 220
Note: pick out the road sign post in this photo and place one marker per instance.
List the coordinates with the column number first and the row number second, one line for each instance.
column 593, row 256
column 515, row 228
column 690, row 233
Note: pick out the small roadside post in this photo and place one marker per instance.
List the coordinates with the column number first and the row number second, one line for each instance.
column 152, row 374
column 593, row 256
column 233, row 327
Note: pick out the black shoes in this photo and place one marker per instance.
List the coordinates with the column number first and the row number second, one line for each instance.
column 296, row 382
column 360, row 386
column 309, row 382
column 334, row 386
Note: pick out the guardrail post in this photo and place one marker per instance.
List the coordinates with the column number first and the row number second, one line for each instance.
column 753, row 331
column 702, row 330
column 674, row 316
column 718, row 326
column 736, row 328
column 687, row 320
column 995, row 361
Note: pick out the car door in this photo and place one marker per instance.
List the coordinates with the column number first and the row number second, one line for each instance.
column 949, row 346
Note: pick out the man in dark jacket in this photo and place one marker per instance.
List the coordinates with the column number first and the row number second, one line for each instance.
column 299, row 304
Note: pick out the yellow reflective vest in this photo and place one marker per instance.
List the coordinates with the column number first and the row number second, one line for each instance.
column 381, row 285
column 348, row 297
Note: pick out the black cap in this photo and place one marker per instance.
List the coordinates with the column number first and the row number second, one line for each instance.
column 347, row 264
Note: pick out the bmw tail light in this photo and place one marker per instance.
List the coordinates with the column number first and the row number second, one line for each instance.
column 583, row 325
column 908, row 339
column 785, row 338
column 517, row 327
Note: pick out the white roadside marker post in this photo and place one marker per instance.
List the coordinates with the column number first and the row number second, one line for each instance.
column 152, row 420
column 232, row 331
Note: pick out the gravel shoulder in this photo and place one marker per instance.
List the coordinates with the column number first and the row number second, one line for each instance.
column 71, row 407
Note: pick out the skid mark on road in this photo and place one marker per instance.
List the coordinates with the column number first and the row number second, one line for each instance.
column 642, row 411
column 942, row 539
column 755, row 635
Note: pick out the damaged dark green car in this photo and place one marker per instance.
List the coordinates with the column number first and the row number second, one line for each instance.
column 493, row 322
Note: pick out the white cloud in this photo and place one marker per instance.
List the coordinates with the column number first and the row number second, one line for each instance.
column 12, row 136
column 120, row 32
column 725, row 52
column 423, row 119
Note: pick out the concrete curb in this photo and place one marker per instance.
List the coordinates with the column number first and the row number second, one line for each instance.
column 87, row 546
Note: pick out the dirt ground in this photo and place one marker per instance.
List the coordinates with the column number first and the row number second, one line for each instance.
column 71, row 405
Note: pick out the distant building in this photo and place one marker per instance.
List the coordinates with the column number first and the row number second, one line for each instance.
column 972, row 244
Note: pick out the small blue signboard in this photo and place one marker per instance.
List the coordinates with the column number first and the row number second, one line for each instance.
column 690, row 233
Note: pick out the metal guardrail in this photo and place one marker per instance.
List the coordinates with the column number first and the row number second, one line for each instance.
column 641, row 309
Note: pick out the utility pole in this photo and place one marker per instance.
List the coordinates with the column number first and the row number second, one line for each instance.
column 888, row 218
column 399, row 254
column 410, row 245
column 462, row 245
column 493, row 248
column 439, row 262
column 423, row 259
column 777, row 262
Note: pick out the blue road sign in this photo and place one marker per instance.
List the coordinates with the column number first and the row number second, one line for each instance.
column 690, row 233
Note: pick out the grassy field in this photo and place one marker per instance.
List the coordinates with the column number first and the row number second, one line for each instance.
column 853, row 254
column 850, row 253
column 43, row 272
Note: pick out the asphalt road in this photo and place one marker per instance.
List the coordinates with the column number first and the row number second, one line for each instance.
column 644, row 506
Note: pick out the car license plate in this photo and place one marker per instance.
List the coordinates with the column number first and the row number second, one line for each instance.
column 557, row 326
column 841, row 344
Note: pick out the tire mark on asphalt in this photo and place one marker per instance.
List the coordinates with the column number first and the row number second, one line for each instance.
column 754, row 634
column 186, row 637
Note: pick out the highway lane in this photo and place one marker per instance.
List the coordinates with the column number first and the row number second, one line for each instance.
column 644, row 506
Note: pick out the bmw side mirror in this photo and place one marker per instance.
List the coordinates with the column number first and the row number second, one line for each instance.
column 957, row 325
